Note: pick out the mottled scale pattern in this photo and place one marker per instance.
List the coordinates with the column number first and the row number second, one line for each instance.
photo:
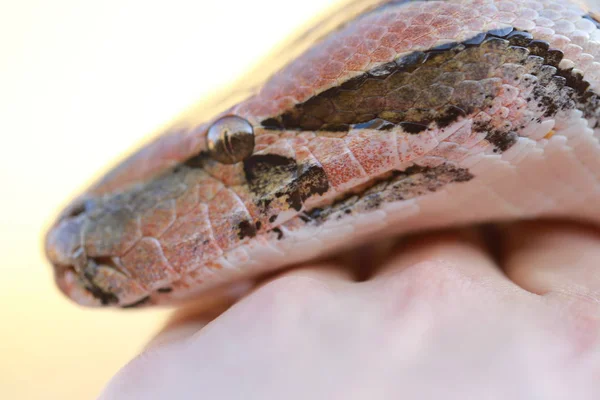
column 412, row 115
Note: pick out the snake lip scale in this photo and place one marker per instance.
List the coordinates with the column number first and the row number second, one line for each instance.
column 401, row 116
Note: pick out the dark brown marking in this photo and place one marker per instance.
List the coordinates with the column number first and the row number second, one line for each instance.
column 278, row 232
column 272, row 123
column 502, row 140
column 272, row 175
column 88, row 275
column 304, row 217
column 412, row 128
column 396, row 186
column 164, row 290
column 261, row 169
column 520, row 38
column 292, row 196
column 450, row 115
column 442, row 85
column 312, row 181
column 574, row 79
column 413, row 90
column 538, row 48
column 246, row 229
column 554, row 57
column 98, row 293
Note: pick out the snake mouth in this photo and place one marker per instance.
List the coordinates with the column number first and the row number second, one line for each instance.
column 77, row 275
column 83, row 291
column 81, row 285
column 95, row 285
column 87, row 280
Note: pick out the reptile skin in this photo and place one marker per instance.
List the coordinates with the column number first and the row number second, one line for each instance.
column 400, row 116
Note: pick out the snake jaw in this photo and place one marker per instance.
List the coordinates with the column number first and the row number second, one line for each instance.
column 90, row 281
column 64, row 251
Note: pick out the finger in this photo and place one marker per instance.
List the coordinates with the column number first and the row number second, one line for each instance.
column 191, row 318
column 463, row 250
column 334, row 272
column 174, row 333
column 559, row 257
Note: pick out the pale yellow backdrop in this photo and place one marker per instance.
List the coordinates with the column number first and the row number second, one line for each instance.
column 81, row 82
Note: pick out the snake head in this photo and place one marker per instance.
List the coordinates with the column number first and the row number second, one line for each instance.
column 122, row 214
column 370, row 128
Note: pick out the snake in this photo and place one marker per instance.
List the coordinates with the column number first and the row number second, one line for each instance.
column 385, row 118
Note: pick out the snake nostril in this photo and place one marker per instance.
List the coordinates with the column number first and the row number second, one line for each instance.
column 76, row 210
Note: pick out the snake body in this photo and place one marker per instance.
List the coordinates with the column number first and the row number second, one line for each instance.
column 408, row 115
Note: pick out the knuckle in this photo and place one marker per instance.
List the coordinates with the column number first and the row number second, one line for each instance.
column 295, row 286
column 130, row 381
column 432, row 279
column 427, row 285
column 580, row 316
column 577, row 302
column 292, row 294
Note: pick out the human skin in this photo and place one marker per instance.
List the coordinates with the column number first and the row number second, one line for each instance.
column 453, row 315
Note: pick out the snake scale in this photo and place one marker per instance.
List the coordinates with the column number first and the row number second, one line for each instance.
column 405, row 115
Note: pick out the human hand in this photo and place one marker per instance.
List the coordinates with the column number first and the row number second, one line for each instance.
column 438, row 317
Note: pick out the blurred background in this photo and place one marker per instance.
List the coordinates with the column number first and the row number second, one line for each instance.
column 81, row 82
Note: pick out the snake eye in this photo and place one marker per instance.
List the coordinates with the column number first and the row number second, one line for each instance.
column 230, row 140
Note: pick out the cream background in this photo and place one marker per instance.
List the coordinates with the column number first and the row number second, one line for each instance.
column 80, row 83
